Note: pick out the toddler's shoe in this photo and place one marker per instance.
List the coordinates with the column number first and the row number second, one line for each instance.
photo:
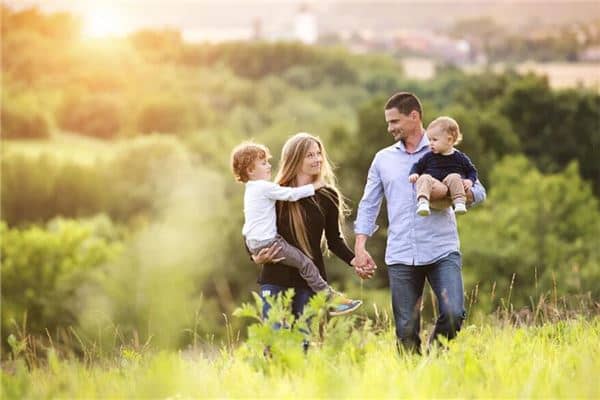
column 423, row 208
column 460, row 208
column 342, row 305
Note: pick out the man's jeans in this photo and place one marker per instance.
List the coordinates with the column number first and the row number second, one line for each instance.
column 407, row 283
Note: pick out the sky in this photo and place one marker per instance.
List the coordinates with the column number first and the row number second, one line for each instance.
column 235, row 19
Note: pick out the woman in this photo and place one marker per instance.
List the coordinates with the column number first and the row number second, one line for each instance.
column 302, row 223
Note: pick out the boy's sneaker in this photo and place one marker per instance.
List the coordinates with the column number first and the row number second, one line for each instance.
column 346, row 308
column 460, row 208
column 423, row 208
column 342, row 305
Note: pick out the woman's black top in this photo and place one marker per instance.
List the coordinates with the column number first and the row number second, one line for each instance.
column 320, row 215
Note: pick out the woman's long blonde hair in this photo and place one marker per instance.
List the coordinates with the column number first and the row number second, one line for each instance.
column 293, row 154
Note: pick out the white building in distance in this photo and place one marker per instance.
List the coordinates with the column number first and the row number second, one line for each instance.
column 305, row 26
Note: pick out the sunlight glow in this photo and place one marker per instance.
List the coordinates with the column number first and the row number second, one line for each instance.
column 102, row 22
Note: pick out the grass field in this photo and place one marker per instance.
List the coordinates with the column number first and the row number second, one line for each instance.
column 495, row 360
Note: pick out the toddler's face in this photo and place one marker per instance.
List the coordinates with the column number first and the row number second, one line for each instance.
column 261, row 169
column 439, row 141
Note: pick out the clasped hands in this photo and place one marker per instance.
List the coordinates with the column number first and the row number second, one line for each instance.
column 363, row 264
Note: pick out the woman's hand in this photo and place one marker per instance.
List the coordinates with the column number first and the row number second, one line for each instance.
column 366, row 269
column 413, row 178
column 267, row 255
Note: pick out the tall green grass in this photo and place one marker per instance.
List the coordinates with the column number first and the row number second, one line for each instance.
column 350, row 357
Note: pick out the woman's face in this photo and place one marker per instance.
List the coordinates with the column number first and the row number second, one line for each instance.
column 313, row 160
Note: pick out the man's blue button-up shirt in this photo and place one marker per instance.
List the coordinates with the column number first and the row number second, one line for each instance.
column 411, row 239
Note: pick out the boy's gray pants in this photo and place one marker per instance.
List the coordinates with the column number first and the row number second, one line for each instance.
column 294, row 258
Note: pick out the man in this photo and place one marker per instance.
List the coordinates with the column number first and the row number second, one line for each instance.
column 418, row 248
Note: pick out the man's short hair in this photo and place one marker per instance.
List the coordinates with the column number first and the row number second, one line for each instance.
column 244, row 155
column 405, row 102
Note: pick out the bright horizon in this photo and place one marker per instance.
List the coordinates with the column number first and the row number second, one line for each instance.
column 234, row 19
column 104, row 21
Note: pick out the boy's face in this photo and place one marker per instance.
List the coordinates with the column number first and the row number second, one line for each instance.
column 260, row 169
column 439, row 141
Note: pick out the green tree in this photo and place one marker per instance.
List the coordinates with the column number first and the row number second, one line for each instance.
column 158, row 45
column 165, row 115
column 23, row 122
column 555, row 127
column 36, row 189
column 545, row 229
column 98, row 116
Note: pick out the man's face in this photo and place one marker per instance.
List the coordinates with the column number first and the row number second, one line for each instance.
column 400, row 125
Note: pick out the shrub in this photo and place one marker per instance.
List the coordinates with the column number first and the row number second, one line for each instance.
column 98, row 116
column 139, row 174
column 37, row 189
column 43, row 267
column 132, row 184
column 23, row 124
column 165, row 116
column 22, row 118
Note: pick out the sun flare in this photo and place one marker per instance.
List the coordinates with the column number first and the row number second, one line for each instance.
column 103, row 22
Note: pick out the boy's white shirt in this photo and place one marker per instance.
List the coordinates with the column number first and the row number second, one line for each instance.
column 259, row 206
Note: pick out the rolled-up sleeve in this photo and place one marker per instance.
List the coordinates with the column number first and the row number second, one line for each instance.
column 370, row 204
column 479, row 193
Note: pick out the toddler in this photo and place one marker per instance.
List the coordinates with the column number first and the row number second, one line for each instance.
column 444, row 169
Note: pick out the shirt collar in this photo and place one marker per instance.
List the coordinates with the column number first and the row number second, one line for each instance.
column 423, row 143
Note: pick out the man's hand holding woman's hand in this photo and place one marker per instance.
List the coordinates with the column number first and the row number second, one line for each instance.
column 363, row 264
column 267, row 255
